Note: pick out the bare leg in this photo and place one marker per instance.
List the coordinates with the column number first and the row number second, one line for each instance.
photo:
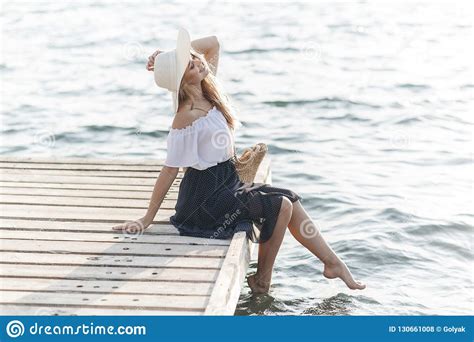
column 307, row 233
column 267, row 251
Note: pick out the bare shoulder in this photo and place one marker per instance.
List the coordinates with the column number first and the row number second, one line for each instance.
column 184, row 117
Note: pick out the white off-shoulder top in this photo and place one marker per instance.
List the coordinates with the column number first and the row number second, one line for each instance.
column 206, row 142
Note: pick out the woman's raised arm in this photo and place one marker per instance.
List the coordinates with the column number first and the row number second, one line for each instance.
column 209, row 47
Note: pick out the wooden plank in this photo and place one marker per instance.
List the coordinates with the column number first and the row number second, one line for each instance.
column 68, row 201
column 32, row 177
column 143, row 274
column 103, row 237
column 79, row 213
column 263, row 171
column 84, row 167
column 78, row 226
column 64, row 310
column 20, row 258
column 85, row 193
column 70, row 186
column 21, row 173
column 111, row 300
column 226, row 292
column 112, row 248
column 105, row 286
column 80, row 160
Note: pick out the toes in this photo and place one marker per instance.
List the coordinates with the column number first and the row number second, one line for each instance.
column 360, row 286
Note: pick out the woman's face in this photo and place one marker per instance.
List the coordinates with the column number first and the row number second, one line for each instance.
column 196, row 70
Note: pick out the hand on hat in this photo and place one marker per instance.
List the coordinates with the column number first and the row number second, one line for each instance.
column 151, row 60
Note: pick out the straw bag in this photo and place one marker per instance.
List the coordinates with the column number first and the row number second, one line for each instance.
column 247, row 164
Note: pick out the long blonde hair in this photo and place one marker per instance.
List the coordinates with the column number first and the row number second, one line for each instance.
column 212, row 91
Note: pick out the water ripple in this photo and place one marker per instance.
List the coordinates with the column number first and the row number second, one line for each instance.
column 324, row 102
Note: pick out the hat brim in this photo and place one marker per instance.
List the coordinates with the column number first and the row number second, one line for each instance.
column 183, row 49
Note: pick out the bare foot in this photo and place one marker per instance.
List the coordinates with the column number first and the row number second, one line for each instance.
column 338, row 269
column 256, row 286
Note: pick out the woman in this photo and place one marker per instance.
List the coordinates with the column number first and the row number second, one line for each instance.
column 212, row 201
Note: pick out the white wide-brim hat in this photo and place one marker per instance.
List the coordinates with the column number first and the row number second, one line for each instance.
column 169, row 66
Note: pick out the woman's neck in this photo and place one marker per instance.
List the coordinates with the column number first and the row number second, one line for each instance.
column 199, row 90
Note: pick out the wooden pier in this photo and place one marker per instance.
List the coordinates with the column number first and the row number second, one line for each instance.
column 59, row 255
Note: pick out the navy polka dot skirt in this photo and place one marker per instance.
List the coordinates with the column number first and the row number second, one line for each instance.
column 214, row 203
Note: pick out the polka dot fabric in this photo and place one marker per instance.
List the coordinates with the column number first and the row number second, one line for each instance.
column 214, row 203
